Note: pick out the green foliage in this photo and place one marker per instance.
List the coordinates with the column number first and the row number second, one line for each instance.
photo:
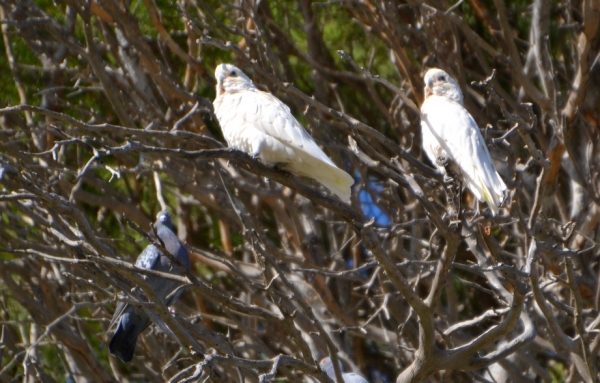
column 558, row 372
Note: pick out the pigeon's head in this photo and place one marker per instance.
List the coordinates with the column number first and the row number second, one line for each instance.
column 440, row 83
column 164, row 219
column 231, row 79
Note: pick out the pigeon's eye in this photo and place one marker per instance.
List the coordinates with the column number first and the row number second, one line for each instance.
column 442, row 78
column 233, row 74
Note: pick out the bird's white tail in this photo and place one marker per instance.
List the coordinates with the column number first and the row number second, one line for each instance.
column 492, row 196
column 336, row 180
column 329, row 175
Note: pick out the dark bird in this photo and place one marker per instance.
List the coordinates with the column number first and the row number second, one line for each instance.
column 133, row 320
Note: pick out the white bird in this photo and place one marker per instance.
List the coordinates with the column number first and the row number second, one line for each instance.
column 449, row 132
column 261, row 125
column 349, row 377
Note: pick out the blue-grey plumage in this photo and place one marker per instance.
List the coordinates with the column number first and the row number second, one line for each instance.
column 349, row 377
column 132, row 320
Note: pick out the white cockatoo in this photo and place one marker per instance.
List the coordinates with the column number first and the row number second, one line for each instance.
column 349, row 377
column 259, row 124
column 450, row 133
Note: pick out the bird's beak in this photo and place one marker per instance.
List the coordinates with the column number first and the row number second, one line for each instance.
column 430, row 82
column 222, row 75
column 429, row 86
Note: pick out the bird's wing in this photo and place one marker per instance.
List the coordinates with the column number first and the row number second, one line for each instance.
column 148, row 260
column 121, row 306
column 174, row 247
column 267, row 114
column 460, row 137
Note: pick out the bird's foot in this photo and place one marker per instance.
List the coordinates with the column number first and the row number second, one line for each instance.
column 279, row 165
column 255, row 156
column 442, row 161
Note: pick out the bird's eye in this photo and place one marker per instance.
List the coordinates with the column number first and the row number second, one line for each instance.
column 233, row 74
column 443, row 78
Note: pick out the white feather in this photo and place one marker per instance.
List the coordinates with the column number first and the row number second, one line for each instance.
column 260, row 124
column 449, row 130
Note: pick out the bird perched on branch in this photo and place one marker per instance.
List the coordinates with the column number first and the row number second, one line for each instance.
column 349, row 377
column 259, row 124
column 133, row 320
column 451, row 135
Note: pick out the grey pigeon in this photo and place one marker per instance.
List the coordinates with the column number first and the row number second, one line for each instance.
column 132, row 320
column 349, row 377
